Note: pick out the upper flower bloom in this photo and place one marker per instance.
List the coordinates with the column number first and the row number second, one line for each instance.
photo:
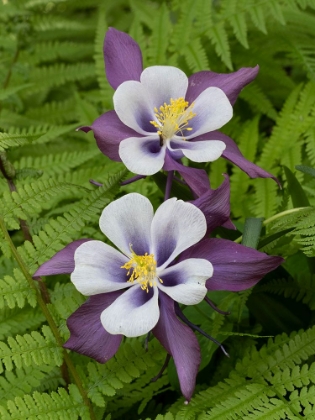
column 161, row 115
column 156, row 109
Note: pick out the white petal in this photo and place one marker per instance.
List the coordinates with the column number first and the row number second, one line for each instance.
column 199, row 151
column 97, row 269
column 212, row 109
column 185, row 281
column 143, row 156
column 133, row 313
column 175, row 227
column 163, row 83
column 127, row 221
column 134, row 107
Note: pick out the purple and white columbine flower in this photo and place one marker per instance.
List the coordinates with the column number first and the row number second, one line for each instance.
column 148, row 243
column 162, row 259
column 161, row 115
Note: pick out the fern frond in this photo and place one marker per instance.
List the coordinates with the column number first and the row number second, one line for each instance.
column 54, row 112
column 303, row 225
column 64, row 229
column 143, row 11
column 52, row 50
column 219, row 38
column 16, row 321
column 300, row 289
column 45, row 78
column 40, row 134
column 55, row 406
column 30, row 199
column 31, row 349
column 15, row 291
column 59, row 23
column 183, row 27
column 247, row 142
column 106, row 90
column 19, row 383
column 258, row 100
column 294, row 120
column 54, row 164
column 130, row 362
column 255, row 388
column 6, row 93
column 238, row 23
column 195, row 56
column 265, row 198
column 160, row 36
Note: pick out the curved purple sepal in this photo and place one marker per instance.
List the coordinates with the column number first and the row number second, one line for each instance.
column 88, row 335
column 109, row 131
column 234, row 155
column 235, row 267
column 180, row 342
column 62, row 262
column 230, row 83
column 196, row 179
column 215, row 205
column 123, row 58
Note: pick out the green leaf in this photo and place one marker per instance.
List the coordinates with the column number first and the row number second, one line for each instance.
column 295, row 189
column 252, row 231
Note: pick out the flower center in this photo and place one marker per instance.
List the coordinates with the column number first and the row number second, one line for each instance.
column 142, row 269
column 173, row 118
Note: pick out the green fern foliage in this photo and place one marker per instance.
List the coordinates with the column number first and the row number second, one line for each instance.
column 29, row 349
column 58, row 405
column 55, row 182
column 266, row 383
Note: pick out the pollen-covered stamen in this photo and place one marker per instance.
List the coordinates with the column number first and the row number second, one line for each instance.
column 142, row 269
column 173, row 118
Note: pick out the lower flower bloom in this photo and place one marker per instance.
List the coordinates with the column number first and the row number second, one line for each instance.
column 136, row 288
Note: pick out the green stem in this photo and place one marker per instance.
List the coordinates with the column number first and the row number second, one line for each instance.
column 49, row 318
column 275, row 217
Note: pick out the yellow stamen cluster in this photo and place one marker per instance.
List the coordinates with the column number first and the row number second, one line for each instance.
column 173, row 118
column 142, row 269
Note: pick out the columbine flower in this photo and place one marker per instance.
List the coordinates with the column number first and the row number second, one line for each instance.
column 161, row 115
column 137, row 289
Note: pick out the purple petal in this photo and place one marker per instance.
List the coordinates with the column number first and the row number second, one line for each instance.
column 215, row 205
column 62, row 262
column 180, row 342
column 197, row 179
column 123, row 58
column 236, row 267
column 88, row 335
column 234, row 155
column 230, row 83
column 109, row 131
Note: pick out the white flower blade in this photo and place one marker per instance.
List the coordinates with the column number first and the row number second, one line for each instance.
column 185, row 281
column 199, row 151
column 97, row 269
column 212, row 109
column 163, row 83
column 126, row 222
column 175, row 227
column 143, row 156
column 133, row 107
column 132, row 314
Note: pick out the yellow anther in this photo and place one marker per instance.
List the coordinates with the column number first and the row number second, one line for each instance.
column 142, row 269
column 173, row 118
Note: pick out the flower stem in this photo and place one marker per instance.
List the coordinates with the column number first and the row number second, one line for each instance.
column 48, row 317
column 169, row 181
column 275, row 217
